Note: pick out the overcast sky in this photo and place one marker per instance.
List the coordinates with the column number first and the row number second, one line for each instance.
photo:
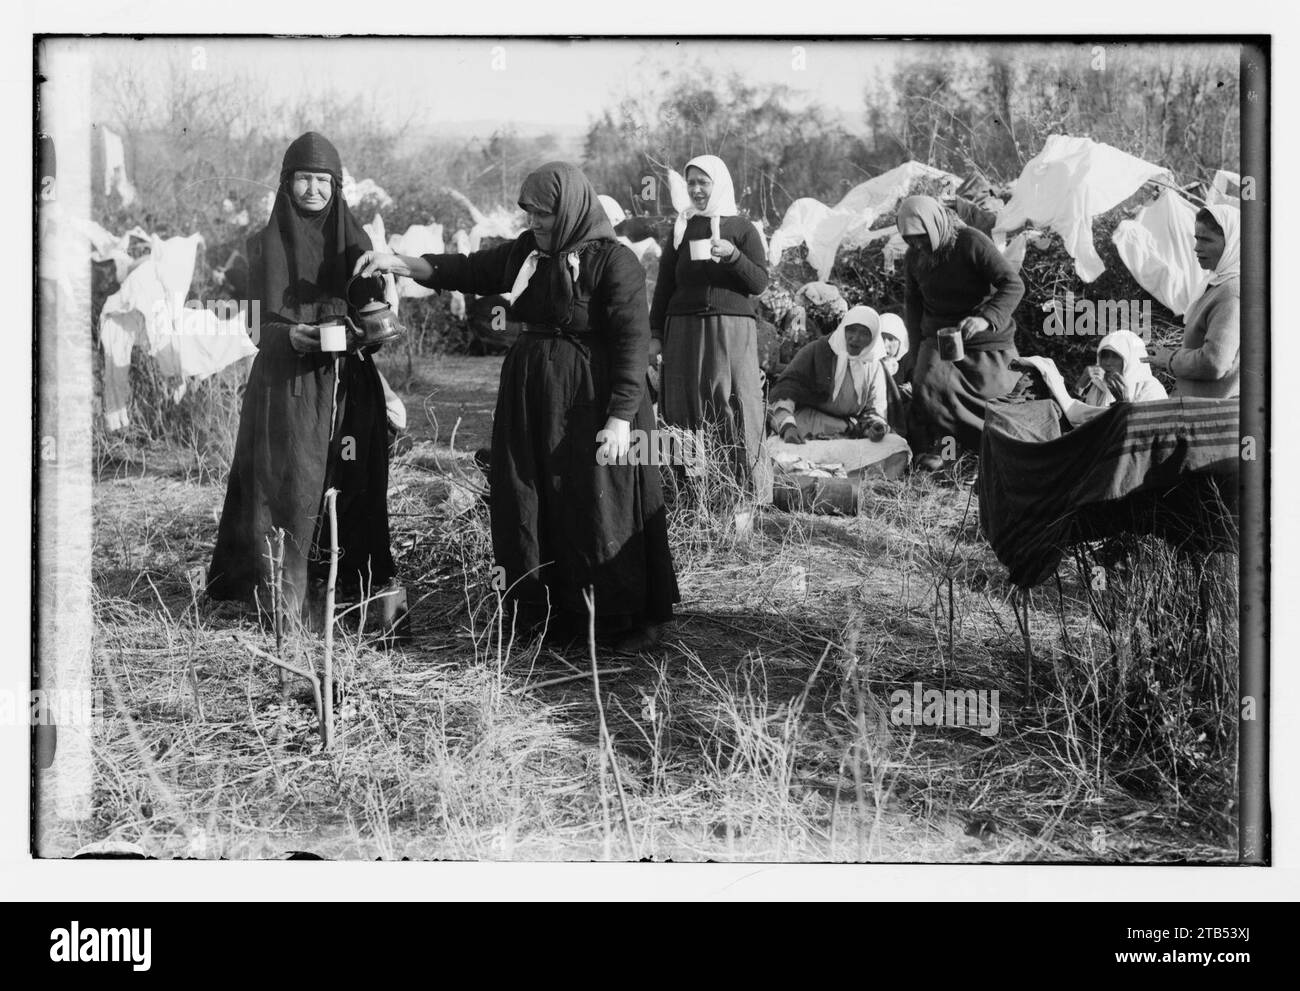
column 540, row 83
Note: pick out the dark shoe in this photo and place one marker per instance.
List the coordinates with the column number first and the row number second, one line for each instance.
column 639, row 641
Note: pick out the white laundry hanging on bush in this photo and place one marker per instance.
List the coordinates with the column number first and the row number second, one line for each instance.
column 826, row 230
column 1226, row 188
column 149, row 311
column 115, row 168
column 1157, row 246
column 419, row 239
column 354, row 192
column 1068, row 183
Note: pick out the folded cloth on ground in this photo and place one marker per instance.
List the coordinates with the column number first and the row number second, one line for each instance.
column 1166, row 468
column 852, row 457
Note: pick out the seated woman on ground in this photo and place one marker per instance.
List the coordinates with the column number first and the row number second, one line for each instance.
column 1121, row 374
column 836, row 385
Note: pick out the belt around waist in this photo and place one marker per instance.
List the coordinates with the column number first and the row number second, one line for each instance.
column 547, row 330
column 583, row 342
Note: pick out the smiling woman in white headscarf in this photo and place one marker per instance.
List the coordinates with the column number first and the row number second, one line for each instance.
column 704, row 320
column 836, row 386
column 1208, row 363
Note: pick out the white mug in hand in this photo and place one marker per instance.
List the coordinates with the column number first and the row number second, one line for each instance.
column 701, row 250
column 333, row 336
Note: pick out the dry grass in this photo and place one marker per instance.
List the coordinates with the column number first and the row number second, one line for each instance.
column 761, row 731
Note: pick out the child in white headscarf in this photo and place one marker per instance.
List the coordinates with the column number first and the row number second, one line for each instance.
column 894, row 332
column 835, row 386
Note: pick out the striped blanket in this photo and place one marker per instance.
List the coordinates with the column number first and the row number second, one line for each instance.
column 1167, row 468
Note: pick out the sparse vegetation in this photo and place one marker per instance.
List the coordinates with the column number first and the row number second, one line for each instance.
column 762, row 731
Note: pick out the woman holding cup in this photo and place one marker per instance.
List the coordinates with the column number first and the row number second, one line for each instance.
column 704, row 321
column 313, row 415
column 959, row 297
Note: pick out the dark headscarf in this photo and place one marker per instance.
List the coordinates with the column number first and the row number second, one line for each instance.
column 305, row 259
column 561, row 189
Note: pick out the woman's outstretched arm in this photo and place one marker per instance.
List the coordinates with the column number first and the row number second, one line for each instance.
column 484, row 273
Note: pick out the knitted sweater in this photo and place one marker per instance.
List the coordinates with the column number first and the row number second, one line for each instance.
column 1208, row 364
column 972, row 279
column 727, row 287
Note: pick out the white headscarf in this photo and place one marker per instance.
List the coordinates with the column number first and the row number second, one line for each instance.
column 892, row 324
column 722, row 199
column 859, row 364
column 1228, row 217
column 1136, row 372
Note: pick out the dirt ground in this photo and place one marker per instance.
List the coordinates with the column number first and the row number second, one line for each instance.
column 761, row 731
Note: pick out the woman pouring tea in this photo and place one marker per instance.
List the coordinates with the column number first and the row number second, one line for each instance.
column 569, row 512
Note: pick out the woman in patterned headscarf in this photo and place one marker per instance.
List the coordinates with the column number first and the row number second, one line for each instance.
column 705, row 320
column 311, row 420
column 954, row 276
column 569, row 512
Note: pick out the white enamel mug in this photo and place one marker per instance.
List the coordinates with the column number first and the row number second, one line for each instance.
column 333, row 336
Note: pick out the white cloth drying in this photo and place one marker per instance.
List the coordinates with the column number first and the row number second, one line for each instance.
column 825, row 230
column 1157, row 247
column 1067, row 184
column 612, row 210
column 419, row 239
column 115, row 168
column 1225, row 189
column 149, row 310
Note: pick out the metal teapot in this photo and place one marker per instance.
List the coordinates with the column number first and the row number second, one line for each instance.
column 373, row 319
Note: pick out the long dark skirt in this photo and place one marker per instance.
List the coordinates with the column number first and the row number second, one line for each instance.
column 285, row 459
column 711, row 380
column 561, row 522
column 949, row 397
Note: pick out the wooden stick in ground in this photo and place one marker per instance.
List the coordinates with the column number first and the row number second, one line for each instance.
column 327, row 692
column 607, row 746
column 275, row 554
column 1025, row 635
column 300, row 672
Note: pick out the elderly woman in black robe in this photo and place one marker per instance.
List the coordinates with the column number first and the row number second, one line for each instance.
column 954, row 276
column 568, row 511
column 311, row 420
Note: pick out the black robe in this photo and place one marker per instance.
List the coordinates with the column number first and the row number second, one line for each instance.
column 308, row 422
column 560, row 521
